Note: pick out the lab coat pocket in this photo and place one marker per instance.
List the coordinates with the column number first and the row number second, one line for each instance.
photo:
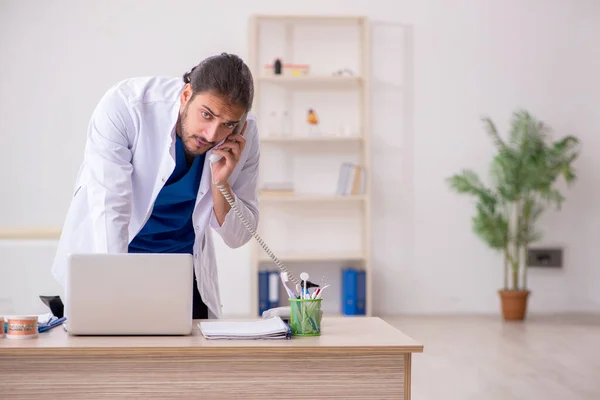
column 203, row 243
column 207, row 258
column 210, row 261
column 77, row 191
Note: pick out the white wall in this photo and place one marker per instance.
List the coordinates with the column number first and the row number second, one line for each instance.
column 58, row 58
column 545, row 61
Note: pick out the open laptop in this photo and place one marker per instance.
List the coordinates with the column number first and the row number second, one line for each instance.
column 129, row 294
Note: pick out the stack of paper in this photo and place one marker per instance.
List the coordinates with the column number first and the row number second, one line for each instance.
column 271, row 328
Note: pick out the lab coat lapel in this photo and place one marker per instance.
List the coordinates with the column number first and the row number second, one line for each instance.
column 165, row 169
column 167, row 162
column 206, row 180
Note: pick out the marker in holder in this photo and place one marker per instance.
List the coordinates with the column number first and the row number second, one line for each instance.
column 305, row 317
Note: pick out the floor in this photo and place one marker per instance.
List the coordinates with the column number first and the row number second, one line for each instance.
column 482, row 358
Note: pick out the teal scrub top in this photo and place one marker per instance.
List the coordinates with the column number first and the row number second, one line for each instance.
column 170, row 227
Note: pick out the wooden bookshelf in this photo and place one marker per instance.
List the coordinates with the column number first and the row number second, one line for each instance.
column 324, row 83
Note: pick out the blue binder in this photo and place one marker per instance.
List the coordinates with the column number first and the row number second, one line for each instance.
column 354, row 292
column 263, row 291
column 349, row 291
column 361, row 292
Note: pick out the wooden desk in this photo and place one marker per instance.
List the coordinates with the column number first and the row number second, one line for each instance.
column 355, row 358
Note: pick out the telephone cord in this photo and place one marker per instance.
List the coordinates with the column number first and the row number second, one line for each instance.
column 266, row 248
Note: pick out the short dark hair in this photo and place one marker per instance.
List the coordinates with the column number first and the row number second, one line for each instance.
column 225, row 75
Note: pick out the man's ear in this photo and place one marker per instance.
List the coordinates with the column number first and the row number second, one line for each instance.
column 186, row 94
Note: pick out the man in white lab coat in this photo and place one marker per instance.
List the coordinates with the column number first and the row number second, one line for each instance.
column 145, row 183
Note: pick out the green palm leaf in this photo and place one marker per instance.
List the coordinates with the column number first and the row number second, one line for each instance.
column 523, row 176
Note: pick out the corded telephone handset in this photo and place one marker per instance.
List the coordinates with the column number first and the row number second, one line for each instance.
column 213, row 158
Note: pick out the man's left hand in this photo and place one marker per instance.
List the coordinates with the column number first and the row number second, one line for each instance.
column 231, row 150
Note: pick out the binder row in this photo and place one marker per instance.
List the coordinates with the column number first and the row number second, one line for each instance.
column 353, row 291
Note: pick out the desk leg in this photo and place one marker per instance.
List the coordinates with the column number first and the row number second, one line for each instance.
column 407, row 368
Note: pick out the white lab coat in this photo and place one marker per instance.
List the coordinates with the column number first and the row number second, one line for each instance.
column 129, row 155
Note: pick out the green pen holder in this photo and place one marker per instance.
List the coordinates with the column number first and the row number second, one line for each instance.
column 305, row 317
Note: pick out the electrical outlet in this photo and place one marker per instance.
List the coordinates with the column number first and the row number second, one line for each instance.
column 545, row 257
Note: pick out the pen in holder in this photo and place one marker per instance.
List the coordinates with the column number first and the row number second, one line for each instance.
column 305, row 317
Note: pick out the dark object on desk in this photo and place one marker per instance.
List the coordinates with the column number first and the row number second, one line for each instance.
column 55, row 305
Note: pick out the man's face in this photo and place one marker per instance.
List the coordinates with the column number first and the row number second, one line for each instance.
column 205, row 120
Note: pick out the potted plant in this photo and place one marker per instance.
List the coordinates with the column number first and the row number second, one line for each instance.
column 524, row 171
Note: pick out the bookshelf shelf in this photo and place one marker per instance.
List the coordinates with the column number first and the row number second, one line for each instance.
column 336, row 85
column 310, row 198
column 23, row 233
column 309, row 19
column 311, row 139
column 314, row 257
column 314, row 81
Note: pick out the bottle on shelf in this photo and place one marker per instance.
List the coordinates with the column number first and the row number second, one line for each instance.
column 277, row 67
column 313, row 122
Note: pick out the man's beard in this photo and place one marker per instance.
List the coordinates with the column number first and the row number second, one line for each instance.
column 186, row 137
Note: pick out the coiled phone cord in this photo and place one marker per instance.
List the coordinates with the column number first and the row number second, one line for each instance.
column 266, row 248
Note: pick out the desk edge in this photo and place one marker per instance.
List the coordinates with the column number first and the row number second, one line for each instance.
column 195, row 350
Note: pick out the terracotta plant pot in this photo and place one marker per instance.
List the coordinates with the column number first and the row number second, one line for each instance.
column 514, row 304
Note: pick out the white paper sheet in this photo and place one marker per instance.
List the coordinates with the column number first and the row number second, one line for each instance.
column 270, row 328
